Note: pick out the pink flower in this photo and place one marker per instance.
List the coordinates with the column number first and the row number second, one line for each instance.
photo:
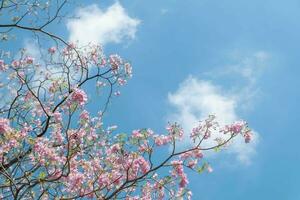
column 137, row 134
column 186, row 155
column 121, row 81
column 57, row 136
column 115, row 61
column 84, row 115
column 66, row 52
column 209, row 169
column 175, row 130
column 71, row 46
column 94, row 57
column 52, row 50
column 103, row 180
column 144, row 165
column 3, row 67
column 144, row 148
column 79, row 96
column 4, row 125
column 178, row 171
column 29, row 60
column 162, row 140
column 100, row 84
column 16, row 63
column 237, row 127
column 184, row 181
column 57, row 116
column 128, row 69
column 247, row 137
column 192, row 163
column 117, row 93
column 103, row 62
column 114, row 148
column 12, row 143
column 195, row 132
column 197, row 154
column 28, row 96
column 24, row 131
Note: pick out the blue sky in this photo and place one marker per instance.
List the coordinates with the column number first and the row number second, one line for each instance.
column 204, row 39
column 239, row 58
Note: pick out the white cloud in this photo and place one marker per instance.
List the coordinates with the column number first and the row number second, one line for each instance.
column 95, row 25
column 195, row 99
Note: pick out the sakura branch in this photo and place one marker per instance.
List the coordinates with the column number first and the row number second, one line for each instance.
column 52, row 147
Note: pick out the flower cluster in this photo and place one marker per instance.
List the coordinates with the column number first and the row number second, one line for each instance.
column 4, row 126
column 239, row 127
column 52, row 50
column 178, row 171
column 79, row 96
column 86, row 159
column 3, row 66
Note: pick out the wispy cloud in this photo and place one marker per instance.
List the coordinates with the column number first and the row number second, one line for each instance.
column 164, row 11
column 196, row 98
column 248, row 67
column 92, row 24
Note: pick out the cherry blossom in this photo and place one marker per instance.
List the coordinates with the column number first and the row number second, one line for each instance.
column 4, row 125
column 52, row 50
column 56, row 143
column 3, row 66
column 79, row 96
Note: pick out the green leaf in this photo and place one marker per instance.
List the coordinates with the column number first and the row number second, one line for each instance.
column 217, row 149
column 134, row 141
column 42, row 175
column 31, row 141
column 202, row 168
column 167, row 179
column 122, row 137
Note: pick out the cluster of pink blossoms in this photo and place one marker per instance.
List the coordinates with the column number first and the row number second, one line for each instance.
column 137, row 165
column 79, row 96
column 84, row 116
column 3, row 66
column 96, row 54
column 191, row 157
column 57, row 117
column 4, row 126
column 163, row 140
column 45, row 154
column 28, row 60
column 66, row 51
column 175, row 130
column 86, row 159
column 115, row 61
column 52, row 50
column 10, row 139
column 239, row 127
column 206, row 129
column 178, row 171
